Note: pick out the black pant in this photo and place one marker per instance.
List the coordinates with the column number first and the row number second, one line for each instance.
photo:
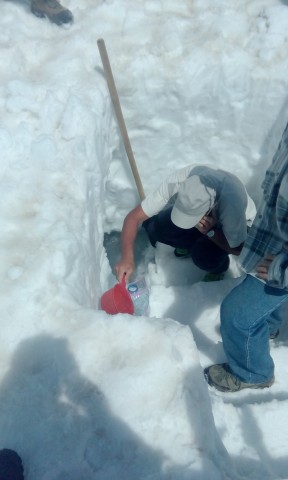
column 204, row 253
column 11, row 467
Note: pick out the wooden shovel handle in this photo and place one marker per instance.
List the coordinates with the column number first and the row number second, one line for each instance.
column 119, row 115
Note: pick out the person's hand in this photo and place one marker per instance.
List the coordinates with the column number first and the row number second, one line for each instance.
column 124, row 267
column 128, row 235
column 263, row 267
column 205, row 224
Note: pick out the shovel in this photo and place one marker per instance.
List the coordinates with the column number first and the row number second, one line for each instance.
column 119, row 115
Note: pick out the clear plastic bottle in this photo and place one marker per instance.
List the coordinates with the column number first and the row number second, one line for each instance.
column 139, row 293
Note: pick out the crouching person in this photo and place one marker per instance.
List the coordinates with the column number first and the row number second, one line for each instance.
column 201, row 211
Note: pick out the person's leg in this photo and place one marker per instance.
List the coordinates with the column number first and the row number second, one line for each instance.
column 160, row 228
column 208, row 256
column 245, row 329
column 275, row 320
column 51, row 9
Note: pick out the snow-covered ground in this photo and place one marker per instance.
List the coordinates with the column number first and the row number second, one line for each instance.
column 85, row 395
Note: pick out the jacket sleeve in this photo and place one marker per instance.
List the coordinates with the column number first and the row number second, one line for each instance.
column 278, row 271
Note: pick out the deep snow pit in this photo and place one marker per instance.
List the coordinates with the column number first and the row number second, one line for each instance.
column 142, row 250
column 85, row 395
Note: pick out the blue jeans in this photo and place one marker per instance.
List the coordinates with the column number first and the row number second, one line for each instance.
column 248, row 314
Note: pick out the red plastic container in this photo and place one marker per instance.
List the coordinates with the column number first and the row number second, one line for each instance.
column 117, row 299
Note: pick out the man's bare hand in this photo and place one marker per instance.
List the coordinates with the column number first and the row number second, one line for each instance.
column 124, row 267
column 206, row 223
column 263, row 267
column 129, row 231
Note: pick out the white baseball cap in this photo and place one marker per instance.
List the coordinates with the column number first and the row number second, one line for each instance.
column 193, row 201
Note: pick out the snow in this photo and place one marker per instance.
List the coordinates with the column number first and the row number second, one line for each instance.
column 85, row 395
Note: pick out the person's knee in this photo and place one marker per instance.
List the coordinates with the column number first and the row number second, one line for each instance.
column 225, row 315
column 209, row 260
column 235, row 313
column 231, row 316
column 200, row 256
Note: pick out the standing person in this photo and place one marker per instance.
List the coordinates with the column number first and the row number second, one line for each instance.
column 208, row 218
column 52, row 10
column 249, row 314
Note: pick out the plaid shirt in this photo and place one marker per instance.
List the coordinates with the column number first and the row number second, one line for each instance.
column 269, row 232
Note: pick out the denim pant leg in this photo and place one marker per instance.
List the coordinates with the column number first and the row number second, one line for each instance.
column 276, row 319
column 245, row 314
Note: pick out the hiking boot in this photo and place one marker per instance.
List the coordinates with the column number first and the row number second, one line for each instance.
column 220, row 377
column 181, row 253
column 213, row 277
column 51, row 9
